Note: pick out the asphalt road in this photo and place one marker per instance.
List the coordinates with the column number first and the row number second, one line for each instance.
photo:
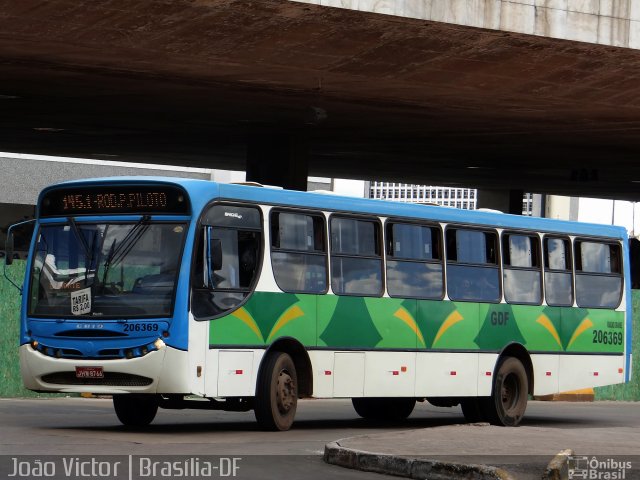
column 88, row 427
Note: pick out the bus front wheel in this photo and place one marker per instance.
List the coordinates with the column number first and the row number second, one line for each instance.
column 135, row 410
column 507, row 404
column 390, row 409
column 277, row 392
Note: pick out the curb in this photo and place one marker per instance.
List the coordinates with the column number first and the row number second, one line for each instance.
column 557, row 468
column 335, row 454
column 583, row 395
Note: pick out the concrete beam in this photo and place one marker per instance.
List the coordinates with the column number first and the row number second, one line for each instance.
column 506, row 201
column 278, row 159
column 606, row 22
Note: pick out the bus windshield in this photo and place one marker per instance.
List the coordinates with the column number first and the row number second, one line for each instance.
column 106, row 270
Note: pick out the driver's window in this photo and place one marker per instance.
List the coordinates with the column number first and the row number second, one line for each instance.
column 228, row 257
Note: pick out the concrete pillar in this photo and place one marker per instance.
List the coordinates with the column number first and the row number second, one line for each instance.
column 280, row 159
column 507, row 201
column 562, row 208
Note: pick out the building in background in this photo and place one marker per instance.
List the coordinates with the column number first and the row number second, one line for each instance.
column 444, row 196
column 594, row 210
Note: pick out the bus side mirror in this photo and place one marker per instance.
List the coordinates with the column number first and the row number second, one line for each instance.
column 25, row 230
column 8, row 248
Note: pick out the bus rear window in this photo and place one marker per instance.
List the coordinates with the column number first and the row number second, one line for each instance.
column 598, row 274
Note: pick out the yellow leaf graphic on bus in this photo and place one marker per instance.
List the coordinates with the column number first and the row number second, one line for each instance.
column 288, row 316
column 546, row 323
column 406, row 317
column 585, row 325
column 246, row 318
column 451, row 320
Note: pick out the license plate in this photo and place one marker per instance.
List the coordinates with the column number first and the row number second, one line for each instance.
column 89, row 372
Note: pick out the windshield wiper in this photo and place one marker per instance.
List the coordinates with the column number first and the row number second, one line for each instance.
column 79, row 236
column 88, row 259
column 118, row 254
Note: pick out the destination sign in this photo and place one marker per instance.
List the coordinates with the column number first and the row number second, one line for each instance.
column 143, row 199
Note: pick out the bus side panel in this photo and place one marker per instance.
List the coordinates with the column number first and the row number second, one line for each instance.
column 486, row 367
column 586, row 371
column 546, row 377
column 322, row 365
column 390, row 374
column 198, row 347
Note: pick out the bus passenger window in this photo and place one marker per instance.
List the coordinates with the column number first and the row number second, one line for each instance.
column 558, row 285
column 414, row 261
column 598, row 274
column 522, row 269
column 228, row 259
column 298, row 252
column 356, row 260
column 473, row 273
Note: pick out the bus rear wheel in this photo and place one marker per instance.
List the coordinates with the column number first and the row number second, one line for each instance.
column 507, row 404
column 472, row 409
column 135, row 410
column 390, row 409
column 277, row 392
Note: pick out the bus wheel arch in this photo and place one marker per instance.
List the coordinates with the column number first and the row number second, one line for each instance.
column 512, row 383
column 301, row 360
column 283, row 377
column 518, row 351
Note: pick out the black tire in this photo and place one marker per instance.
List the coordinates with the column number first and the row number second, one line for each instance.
column 508, row 402
column 365, row 407
column 388, row 409
column 135, row 410
column 472, row 409
column 277, row 392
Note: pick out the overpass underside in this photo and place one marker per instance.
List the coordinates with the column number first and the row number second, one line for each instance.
column 285, row 88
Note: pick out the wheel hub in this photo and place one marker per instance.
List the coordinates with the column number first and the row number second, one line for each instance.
column 285, row 393
column 509, row 392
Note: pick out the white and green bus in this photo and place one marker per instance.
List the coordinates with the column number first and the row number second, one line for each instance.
column 178, row 293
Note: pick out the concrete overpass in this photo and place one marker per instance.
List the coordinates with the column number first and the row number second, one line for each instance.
column 537, row 95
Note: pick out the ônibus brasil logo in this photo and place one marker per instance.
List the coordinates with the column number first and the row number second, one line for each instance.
column 583, row 467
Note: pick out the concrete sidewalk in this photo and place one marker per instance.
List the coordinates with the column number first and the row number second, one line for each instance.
column 483, row 451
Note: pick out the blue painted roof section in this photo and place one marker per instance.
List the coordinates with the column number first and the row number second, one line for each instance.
column 202, row 192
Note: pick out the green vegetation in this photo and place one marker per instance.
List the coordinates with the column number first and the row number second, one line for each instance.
column 627, row 391
column 10, row 379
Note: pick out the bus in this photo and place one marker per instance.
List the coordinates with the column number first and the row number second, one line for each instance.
column 178, row 293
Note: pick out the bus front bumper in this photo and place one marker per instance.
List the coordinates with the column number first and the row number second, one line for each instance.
column 157, row 372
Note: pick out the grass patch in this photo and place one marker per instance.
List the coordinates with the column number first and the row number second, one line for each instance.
column 10, row 299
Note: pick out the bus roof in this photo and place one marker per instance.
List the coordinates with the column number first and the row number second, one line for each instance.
column 202, row 192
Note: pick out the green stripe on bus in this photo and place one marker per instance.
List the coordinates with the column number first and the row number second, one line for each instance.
column 387, row 323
